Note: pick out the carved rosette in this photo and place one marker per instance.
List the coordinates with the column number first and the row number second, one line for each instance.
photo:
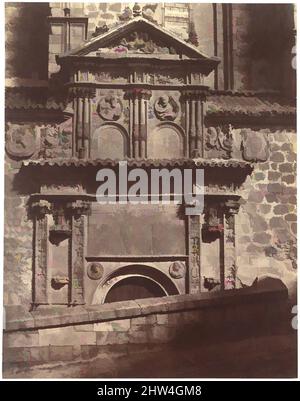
column 194, row 106
column 138, row 106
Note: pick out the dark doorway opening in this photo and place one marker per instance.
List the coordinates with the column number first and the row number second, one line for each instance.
column 134, row 288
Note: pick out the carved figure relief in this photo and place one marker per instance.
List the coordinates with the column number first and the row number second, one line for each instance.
column 140, row 42
column 95, row 271
column 166, row 108
column 177, row 270
column 20, row 141
column 254, row 146
column 56, row 140
column 109, row 108
column 219, row 140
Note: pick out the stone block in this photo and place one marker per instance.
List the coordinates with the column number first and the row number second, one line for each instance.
column 111, row 338
column 39, row 354
column 65, row 336
column 84, row 327
column 256, row 196
column 280, row 209
column 89, row 351
column 277, row 222
column 162, row 319
column 289, row 179
column 275, row 188
column 273, row 176
column 116, row 325
column 138, row 337
column 291, row 217
column 286, row 168
column 161, row 334
column 277, row 157
column 21, row 339
column 60, row 353
column 16, row 354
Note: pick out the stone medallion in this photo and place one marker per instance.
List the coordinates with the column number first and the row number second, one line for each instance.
column 109, row 108
column 177, row 270
column 95, row 271
column 166, row 108
column 20, row 141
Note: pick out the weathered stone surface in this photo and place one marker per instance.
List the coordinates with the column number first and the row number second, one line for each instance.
column 291, row 217
column 262, row 238
column 280, row 209
column 60, row 353
column 21, row 339
column 273, row 176
column 65, row 336
column 277, row 222
column 289, row 179
column 277, row 157
column 286, row 168
column 275, row 188
column 117, row 325
column 256, row 196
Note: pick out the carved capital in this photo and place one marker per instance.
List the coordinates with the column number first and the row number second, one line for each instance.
column 79, row 208
column 138, row 93
column 40, row 208
column 193, row 94
column 82, row 92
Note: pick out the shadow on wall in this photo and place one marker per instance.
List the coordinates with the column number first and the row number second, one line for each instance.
column 26, row 40
column 270, row 45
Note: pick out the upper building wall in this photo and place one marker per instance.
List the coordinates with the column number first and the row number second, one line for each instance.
column 254, row 42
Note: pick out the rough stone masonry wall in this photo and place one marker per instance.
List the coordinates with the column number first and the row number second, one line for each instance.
column 17, row 242
column 267, row 222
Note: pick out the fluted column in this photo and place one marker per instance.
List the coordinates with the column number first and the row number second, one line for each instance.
column 138, row 104
column 194, row 105
column 82, row 121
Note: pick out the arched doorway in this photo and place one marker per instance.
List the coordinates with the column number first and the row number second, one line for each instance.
column 134, row 281
column 134, row 287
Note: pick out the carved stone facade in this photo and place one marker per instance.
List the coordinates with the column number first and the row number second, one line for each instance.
column 136, row 93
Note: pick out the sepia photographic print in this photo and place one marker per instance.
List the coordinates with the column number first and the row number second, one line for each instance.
column 150, row 222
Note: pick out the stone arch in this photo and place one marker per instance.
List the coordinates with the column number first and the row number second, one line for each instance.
column 166, row 141
column 109, row 141
column 142, row 271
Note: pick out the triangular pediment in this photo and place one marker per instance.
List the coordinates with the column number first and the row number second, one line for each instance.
column 137, row 37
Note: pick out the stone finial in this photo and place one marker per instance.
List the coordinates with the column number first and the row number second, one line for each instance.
column 137, row 11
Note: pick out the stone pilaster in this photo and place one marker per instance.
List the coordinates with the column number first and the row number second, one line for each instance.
column 138, row 104
column 81, row 121
column 227, row 246
column 78, row 211
column 194, row 238
column 193, row 101
column 41, row 280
